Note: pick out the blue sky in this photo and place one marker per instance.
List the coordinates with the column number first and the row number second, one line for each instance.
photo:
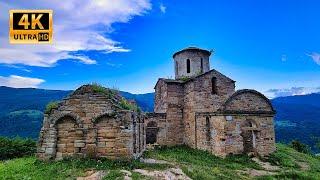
column 272, row 46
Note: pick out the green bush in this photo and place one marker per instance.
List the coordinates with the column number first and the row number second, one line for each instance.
column 97, row 88
column 16, row 147
column 129, row 106
column 185, row 78
column 300, row 147
column 51, row 105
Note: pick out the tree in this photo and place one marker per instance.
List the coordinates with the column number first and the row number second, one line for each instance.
column 300, row 147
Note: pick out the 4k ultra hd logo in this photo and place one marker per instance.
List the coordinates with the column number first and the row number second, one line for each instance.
column 30, row 26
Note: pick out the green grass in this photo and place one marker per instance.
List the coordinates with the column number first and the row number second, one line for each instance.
column 31, row 168
column 290, row 162
column 199, row 164
column 196, row 164
column 97, row 88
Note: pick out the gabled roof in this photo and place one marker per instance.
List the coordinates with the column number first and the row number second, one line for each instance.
column 173, row 81
column 208, row 72
column 191, row 79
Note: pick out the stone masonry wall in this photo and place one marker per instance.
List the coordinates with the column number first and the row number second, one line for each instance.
column 161, row 122
column 210, row 133
column 223, row 137
column 90, row 124
column 180, row 61
column 198, row 97
column 161, row 93
column 263, row 129
column 248, row 100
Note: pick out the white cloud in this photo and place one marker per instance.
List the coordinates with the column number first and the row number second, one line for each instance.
column 273, row 93
column 78, row 25
column 163, row 8
column 284, row 57
column 20, row 82
column 315, row 57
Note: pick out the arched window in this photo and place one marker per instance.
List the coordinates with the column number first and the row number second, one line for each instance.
column 188, row 65
column 208, row 130
column 214, row 85
column 201, row 65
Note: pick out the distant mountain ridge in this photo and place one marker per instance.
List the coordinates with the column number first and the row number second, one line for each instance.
column 21, row 109
column 298, row 117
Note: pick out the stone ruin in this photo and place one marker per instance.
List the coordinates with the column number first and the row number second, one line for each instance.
column 199, row 108
column 91, row 123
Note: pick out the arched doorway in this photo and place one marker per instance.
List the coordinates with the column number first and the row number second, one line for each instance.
column 249, row 135
column 66, row 135
column 151, row 132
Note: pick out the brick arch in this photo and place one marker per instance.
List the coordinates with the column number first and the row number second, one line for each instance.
column 250, row 122
column 55, row 119
column 101, row 115
column 66, row 127
column 248, row 101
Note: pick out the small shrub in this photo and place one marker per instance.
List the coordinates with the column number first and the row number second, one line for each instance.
column 300, row 147
column 184, row 78
column 51, row 105
column 97, row 88
column 129, row 106
column 16, row 147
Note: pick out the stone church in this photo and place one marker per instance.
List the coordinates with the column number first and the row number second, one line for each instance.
column 200, row 108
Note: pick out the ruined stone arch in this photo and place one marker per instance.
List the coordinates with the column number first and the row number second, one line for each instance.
column 66, row 127
column 101, row 115
column 248, row 101
column 56, row 118
column 250, row 122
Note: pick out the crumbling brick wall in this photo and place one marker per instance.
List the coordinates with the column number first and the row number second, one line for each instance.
column 91, row 124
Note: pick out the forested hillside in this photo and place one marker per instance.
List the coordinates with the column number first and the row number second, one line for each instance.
column 298, row 117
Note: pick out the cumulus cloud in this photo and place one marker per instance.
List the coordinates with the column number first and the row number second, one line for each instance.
column 78, row 25
column 20, row 82
column 163, row 8
column 273, row 93
column 315, row 57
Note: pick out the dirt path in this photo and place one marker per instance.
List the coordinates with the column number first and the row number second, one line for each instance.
column 266, row 165
column 168, row 174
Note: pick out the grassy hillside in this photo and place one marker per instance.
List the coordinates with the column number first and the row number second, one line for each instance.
column 286, row 163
